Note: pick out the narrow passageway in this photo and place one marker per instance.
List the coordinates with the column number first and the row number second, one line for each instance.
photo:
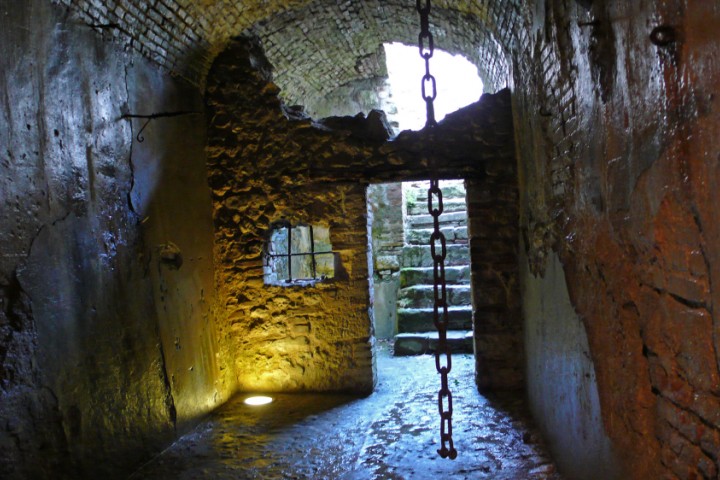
column 391, row 434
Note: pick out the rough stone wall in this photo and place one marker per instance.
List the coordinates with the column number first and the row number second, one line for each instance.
column 492, row 204
column 388, row 235
column 283, row 338
column 267, row 163
column 97, row 332
column 618, row 140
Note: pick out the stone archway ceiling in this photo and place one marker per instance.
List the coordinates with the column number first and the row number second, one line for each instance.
column 314, row 45
column 325, row 45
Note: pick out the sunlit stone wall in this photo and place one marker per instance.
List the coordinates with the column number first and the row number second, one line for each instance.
column 288, row 338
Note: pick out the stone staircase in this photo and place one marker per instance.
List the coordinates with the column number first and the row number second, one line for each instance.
column 416, row 330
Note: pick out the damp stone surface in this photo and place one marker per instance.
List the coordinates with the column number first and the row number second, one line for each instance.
column 391, row 434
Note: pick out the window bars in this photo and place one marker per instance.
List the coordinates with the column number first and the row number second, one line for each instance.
column 295, row 255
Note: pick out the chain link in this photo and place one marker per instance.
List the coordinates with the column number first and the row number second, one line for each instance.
column 438, row 247
column 426, row 44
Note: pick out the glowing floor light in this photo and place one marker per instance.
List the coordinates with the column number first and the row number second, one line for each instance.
column 258, row 400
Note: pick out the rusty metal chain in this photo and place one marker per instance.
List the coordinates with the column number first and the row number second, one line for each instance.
column 443, row 359
column 426, row 52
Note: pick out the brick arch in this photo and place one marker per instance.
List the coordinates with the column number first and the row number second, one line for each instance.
column 268, row 162
column 185, row 37
column 324, row 45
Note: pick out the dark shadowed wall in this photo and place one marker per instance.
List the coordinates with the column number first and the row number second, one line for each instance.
column 106, row 278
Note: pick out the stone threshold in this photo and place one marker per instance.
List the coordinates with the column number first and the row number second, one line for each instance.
column 459, row 341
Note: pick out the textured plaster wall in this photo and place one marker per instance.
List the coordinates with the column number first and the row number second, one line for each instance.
column 106, row 350
column 618, row 141
column 171, row 200
column 561, row 383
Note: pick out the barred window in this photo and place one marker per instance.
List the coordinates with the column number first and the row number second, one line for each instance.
column 298, row 255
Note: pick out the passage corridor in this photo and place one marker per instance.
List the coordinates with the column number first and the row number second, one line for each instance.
column 392, row 434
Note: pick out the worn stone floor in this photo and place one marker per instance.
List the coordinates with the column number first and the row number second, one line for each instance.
column 391, row 434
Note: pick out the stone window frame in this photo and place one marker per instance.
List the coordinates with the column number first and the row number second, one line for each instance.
column 268, row 255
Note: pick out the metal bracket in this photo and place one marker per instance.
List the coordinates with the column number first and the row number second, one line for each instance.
column 153, row 116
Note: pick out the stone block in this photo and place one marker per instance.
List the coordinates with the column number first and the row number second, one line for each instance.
column 421, row 343
column 421, row 319
column 459, row 341
column 419, row 256
column 424, row 275
column 450, row 205
column 407, row 344
column 487, row 296
column 387, row 262
column 491, row 376
column 498, row 346
column 420, row 296
column 453, row 234
column 426, row 220
column 450, row 192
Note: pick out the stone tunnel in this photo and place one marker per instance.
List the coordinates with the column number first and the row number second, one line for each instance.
column 152, row 150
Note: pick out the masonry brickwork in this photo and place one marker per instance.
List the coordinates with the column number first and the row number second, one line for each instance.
column 615, row 141
column 277, row 338
column 184, row 36
column 269, row 162
column 616, row 130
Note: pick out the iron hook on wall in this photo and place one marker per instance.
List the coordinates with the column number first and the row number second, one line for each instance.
column 153, row 116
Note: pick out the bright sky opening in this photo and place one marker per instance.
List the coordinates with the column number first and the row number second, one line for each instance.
column 458, row 83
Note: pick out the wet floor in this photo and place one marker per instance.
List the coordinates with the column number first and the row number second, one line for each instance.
column 392, row 434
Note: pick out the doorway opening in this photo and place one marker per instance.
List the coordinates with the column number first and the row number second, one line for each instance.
column 402, row 266
column 402, row 273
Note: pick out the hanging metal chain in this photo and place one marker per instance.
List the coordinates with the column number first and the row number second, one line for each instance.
column 426, row 52
column 438, row 248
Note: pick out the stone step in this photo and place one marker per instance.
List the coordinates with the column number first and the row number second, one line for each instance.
column 426, row 220
column 449, row 192
column 421, row 319
column 422, row 296
column 419, row 256
column 449, row 205
column 421, row 236
column 459, row 341
column 424, row 276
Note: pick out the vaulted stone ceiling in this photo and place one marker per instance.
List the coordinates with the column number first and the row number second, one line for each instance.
column 314, row 46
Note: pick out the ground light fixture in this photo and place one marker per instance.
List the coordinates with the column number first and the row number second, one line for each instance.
column 257, row 400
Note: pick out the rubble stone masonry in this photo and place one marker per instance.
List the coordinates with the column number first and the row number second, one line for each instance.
column 270, row 163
